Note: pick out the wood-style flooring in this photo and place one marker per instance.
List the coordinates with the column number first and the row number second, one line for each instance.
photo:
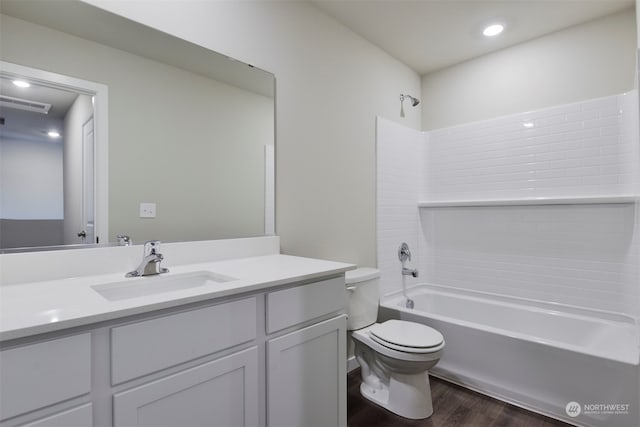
column 453, row 406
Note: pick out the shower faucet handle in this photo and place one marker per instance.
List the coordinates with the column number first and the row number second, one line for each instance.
column 404, row 253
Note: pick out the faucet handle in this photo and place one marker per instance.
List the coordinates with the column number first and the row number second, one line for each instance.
column 124, row 240
column 151, row 247
column 404, row 253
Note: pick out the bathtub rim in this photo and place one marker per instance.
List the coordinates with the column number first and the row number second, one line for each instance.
column 391, row 301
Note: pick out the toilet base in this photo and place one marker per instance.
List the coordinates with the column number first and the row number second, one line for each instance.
column 408, row 396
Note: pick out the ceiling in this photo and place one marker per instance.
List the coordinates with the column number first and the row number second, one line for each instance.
column 428, row 35
column 60, row 100
column 33, row 126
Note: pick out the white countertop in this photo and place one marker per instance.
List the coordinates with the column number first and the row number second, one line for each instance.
column 46, row 306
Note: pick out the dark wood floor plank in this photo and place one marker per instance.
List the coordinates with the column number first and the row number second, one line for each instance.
column 454, row 406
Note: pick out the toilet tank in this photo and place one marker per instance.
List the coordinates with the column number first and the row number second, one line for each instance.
column 363, row 296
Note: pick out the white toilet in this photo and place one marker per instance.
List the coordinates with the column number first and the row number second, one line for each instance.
column 394, row 356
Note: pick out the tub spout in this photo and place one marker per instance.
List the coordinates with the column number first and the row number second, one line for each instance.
column 413, row 272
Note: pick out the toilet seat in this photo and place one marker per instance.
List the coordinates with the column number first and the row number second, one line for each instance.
column 400, row 353
column 406, row 336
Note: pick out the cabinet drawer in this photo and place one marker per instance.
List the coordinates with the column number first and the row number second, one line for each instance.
column 151, row 345
column 42, row 374
column 296, row 305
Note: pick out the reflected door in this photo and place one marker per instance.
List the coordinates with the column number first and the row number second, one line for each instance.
column 87, row 234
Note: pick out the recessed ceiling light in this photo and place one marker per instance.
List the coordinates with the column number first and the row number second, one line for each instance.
column 493, row 30
column 21, row 83
column 528, row 124
column 53, row 134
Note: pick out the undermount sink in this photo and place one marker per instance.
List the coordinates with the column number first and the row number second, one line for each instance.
column 152, row 285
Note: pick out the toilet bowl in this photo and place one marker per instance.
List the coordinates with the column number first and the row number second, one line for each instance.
column 394, row 356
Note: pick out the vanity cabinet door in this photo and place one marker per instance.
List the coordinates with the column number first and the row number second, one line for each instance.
column 221, row 393
column 306, row 376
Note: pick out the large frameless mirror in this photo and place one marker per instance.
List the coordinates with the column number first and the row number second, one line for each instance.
column 158, row 139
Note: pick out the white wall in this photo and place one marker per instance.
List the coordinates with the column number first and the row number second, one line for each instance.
column 330, row 85
column 586, row 61
column 30, row 179
column 638, row 21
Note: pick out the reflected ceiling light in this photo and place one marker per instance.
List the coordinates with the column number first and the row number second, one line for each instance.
column 53, row 134
column 21, row 83
column 493, row 30
column 528, row 124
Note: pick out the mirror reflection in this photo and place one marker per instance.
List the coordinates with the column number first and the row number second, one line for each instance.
column 190, row 135
column 46, row 164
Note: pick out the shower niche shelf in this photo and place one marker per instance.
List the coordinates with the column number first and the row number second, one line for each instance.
column 532, row 201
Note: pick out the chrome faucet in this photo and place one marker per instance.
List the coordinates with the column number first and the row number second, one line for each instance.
column 413, row 272
column 150, row 264
column 124, row 240
column 404, row 254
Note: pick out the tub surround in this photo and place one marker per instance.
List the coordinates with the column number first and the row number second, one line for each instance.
column 539, row 205
column 584, row 251
column 193, row 356
column 587, row 148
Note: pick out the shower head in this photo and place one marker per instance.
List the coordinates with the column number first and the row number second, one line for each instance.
column 414, row 101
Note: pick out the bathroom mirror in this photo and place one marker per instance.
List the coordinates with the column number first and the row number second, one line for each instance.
column 188, row 134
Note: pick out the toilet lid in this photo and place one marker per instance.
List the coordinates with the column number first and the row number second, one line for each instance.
column 410, row 335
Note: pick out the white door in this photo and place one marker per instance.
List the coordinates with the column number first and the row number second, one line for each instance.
column 306, row 376
column 87, row 234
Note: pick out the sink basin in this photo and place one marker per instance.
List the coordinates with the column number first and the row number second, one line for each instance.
column 152, row 285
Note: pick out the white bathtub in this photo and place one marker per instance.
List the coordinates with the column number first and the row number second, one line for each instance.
column 536, row 355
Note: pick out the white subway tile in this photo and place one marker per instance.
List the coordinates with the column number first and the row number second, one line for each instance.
column 571, row 254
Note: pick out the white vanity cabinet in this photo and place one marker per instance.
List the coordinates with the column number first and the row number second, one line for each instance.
column 221, row 392
column 306, row 368
column 48, row 374
column 306, row 376
column 271, row 357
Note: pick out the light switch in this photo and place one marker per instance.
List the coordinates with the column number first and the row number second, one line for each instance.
column 147, row 210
